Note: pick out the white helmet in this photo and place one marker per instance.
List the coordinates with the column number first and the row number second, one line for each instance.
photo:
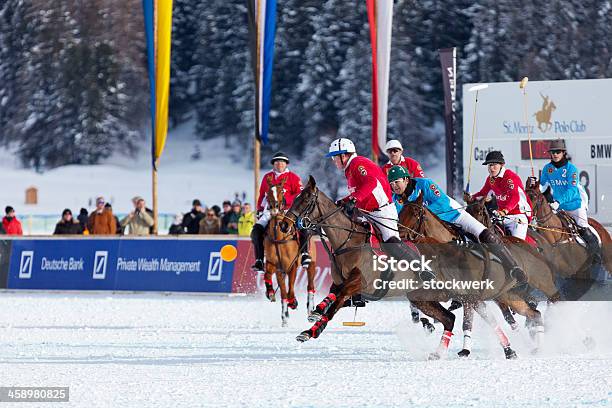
column 393, row 144
column 340, row 146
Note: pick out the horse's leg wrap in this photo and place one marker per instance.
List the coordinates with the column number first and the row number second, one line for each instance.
column 325, row 304
column 269, row 289
column 318, row 327
column 292, row 303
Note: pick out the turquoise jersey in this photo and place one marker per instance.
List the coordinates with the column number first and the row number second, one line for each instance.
column 564, row 184
column 436, row 200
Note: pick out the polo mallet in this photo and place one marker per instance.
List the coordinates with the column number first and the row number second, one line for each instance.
column 354, row 323
column 474, row 88
column 523, row 86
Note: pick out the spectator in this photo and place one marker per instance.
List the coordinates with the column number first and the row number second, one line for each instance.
column 83, row 217
column 10, row 223
column 118, row 226
column 68, row 225
column 246, row 221
column 101, row 220
column 234, row 216
column 191, row 220
column 210, row 224
column 147, row 210
column 177, row 225
column 217, row 211
column 227, row 212
column 139, row 222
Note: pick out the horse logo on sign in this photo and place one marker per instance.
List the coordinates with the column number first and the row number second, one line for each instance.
column 543, row 116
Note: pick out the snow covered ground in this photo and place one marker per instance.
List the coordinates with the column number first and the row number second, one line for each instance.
column 184, row 350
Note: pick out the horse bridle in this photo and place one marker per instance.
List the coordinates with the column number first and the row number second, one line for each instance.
column 420, row 220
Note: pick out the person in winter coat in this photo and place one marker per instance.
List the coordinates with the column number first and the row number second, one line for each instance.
column 211, row 224
column 246, row 221
column 83, row 218
column 227, row 212
column 68, row 225
column 234, row 217
column 101, row 220
column 138, row 222
column 191, row 220
column 118, row 226
column 177, row 225
column 10, row 223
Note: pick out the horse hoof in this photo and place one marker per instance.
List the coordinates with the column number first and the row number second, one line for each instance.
column 415, row 318
column 429, row 328
column 514, row 326
column 314, row 317
column 464, row 353
column 510, row 354
column 434, row 356
column 271, row 296
column 284, row 324
column 303, row 337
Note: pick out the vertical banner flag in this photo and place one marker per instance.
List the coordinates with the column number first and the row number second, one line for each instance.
column 380, row 18
column 448, row 60
column 262, row 29
column 158, row 32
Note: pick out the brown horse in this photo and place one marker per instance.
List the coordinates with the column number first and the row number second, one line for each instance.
column 353, row 270
column 282, row 257
column 569, row 259
column 417, row 222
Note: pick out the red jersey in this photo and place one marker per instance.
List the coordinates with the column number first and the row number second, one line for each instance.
column 292, row 187
column 367, row 184
column 508, row 190
column 412, row 166
column 12, row 227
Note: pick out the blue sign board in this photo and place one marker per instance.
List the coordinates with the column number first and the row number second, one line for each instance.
column 120, row 264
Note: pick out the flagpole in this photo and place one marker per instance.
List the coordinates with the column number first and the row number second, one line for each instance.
column 155, row 216
column 256, row 166
column 155, row 159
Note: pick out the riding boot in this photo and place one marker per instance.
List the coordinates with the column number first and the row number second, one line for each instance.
column 592, row 244
column 304, row 240
column 257, row 238
column 399, row 250
column 497, row 247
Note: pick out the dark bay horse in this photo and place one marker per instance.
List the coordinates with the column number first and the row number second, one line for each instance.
column 282, row 257
column 353, row 270
column 569, row 259
column 418, row 222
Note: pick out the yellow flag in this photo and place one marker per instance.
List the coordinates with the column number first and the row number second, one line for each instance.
column 162, row 73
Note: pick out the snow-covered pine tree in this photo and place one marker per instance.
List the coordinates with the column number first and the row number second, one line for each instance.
column 337, row 26
column 185, row 41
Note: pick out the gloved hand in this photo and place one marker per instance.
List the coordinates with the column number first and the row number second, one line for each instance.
column 349, row 206
column 342, row 201
column 467, row 197
column 554, row 205
column 500, row 213
column 531, row 181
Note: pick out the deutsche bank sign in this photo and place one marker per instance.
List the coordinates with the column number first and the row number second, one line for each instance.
column 100, row 263
column 25, row 265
